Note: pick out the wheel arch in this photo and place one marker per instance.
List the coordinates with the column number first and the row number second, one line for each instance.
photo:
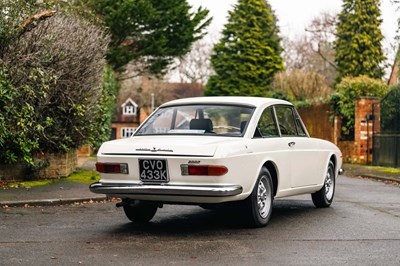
column 333, row 159
column 274, row 174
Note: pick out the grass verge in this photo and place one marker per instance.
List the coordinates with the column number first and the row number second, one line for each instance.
column 84, row 176
column 81, row 176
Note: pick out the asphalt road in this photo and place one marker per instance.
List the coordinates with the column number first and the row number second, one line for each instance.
column 362, row 227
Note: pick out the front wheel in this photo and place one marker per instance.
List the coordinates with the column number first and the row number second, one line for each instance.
column 140, row 212
column 324, row 197
column 259, row 204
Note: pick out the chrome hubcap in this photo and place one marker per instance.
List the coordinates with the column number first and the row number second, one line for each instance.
column 329, row 184
column 263, row 197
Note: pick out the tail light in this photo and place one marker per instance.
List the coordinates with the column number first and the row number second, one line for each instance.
column 212, row 170
column 112, row 168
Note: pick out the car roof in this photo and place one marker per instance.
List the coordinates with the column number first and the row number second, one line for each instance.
column 242, row 100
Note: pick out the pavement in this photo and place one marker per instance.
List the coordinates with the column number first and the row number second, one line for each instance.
column 68, row 192
column 57, row 193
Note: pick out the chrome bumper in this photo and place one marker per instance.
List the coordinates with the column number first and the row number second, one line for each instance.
column 165, row 189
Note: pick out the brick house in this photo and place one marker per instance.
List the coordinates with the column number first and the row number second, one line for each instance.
column 394, row 72
column 393, row 78
column 139, row 96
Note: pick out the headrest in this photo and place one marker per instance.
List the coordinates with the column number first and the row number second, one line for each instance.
column 202, row 124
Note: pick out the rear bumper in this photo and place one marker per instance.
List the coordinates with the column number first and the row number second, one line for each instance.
column 165, row 190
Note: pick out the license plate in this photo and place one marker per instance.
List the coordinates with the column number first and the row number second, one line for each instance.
column 152, row 170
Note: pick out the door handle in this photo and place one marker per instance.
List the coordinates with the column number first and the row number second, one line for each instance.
column 291, row 144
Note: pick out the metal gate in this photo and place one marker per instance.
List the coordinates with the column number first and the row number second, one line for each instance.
column 386, row 144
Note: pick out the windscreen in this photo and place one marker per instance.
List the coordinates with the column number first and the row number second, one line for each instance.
column 218, row 120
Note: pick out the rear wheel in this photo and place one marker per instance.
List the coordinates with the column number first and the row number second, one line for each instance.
column 259, row 204
column 139, row 211
column 324, row 197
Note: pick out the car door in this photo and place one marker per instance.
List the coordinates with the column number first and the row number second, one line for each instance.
column 303, row 156
column 268, row 145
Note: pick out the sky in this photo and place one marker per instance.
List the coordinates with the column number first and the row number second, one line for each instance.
column 294, row 15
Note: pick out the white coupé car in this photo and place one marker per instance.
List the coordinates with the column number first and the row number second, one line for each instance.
column 211, row 150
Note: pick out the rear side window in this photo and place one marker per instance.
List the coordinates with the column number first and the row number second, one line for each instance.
column 266, row 125
column 286, row 120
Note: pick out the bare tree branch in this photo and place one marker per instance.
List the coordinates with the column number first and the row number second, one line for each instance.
column 314, row 51
column 194, row 67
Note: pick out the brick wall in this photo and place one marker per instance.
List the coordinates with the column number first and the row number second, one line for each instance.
column 58, row 165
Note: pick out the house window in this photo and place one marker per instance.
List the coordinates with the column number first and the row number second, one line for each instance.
column 126, row 132
column 129, row 110
column 129, row 107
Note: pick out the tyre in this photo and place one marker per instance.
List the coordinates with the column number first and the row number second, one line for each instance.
column 140, row 212
column 324, row 197
column 259, row 204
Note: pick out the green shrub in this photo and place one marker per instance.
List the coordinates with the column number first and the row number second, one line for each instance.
column 51, row 93
column 101, row 126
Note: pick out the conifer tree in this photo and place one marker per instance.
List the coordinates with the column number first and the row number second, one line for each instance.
column 150, row 32
column 358, row 44
column 248, row 54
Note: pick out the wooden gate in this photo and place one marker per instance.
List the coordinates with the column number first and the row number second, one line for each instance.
column 386, row 144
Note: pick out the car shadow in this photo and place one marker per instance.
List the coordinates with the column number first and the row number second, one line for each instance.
column 194, row 220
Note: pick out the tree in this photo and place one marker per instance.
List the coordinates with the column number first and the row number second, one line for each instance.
column 358, row 44
column 50, row 83
column 316, row 42
column 306, row 55
column 149, row 32
column 313, row 51
column 248, row 54
column 321, row 35
column 195, row 66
